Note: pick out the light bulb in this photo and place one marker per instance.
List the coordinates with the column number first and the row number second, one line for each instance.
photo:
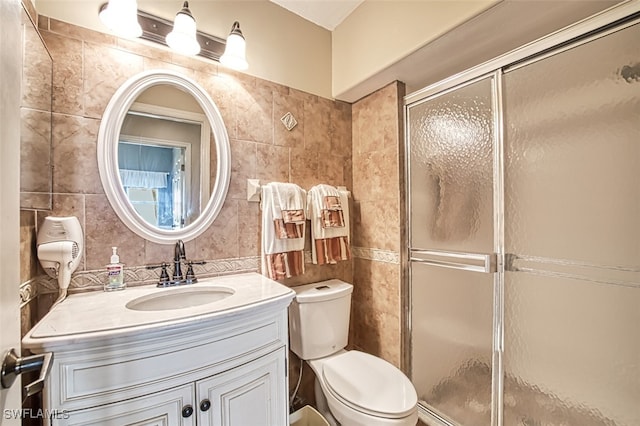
column 182, row 38
column 121, row 17
column 235, row 51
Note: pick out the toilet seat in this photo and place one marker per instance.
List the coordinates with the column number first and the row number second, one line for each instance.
column 369, row 384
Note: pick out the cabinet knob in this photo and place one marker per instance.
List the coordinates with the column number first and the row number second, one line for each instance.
column 187, row 411
column 205, row 404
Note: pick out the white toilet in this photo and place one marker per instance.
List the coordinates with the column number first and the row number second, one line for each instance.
column 352, row 387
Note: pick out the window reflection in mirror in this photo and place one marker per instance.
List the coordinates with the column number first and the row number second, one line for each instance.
column 163, row 157
column 156, row 180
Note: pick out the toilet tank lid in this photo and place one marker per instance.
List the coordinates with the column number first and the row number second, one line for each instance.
column 323, row 290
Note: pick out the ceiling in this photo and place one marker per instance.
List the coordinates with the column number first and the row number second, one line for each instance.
column 477, row 41
column 470, row 44
column 326, row 13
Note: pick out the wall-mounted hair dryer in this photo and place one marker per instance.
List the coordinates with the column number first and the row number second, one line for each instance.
column 60, row 244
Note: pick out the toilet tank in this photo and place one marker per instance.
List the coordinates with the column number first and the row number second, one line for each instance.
column 319, row 318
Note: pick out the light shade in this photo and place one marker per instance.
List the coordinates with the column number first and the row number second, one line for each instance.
column 183, row 37
column 120, row 16
column 234, row 53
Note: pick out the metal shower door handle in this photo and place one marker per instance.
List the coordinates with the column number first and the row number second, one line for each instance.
column 12, row 366
column 476, row 262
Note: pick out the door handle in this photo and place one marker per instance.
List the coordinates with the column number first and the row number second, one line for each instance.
column 12, row 366
column 475, row 262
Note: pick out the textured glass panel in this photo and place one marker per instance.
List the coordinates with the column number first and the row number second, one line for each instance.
column 572, row 352
column 451, row 341
column 572, row 154
column 572, row 228
column 451, row 167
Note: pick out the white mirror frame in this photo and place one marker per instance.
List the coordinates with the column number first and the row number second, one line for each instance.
column 108, row 137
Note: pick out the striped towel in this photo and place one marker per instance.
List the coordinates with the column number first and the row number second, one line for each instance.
column 328, row 210
column 283, row 230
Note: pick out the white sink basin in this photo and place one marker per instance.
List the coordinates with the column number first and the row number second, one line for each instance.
column 179, row 298
column 141, row 311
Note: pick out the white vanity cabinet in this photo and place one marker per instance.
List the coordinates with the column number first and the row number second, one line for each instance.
column 163, row 408
column 250, row 394
column 227, row 367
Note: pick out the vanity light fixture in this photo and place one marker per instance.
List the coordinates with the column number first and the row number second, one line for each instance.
column 181, row 35
column 182, row 38
column 120, row 16
column 234, row 54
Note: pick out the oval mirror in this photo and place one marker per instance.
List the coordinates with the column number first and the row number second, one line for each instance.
column 164, row 157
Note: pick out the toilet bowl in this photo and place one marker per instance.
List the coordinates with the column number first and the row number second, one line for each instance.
column 363, row 390
column 353, row 388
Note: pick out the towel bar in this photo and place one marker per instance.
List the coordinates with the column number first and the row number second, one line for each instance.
column 254, row 190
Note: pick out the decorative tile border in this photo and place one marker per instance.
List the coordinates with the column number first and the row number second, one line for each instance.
column 28, row 291
column 376, row 255
column 140, row 275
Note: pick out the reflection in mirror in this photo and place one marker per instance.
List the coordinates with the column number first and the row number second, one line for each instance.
column 154, row 178
column 164, row 157
column 35, row 112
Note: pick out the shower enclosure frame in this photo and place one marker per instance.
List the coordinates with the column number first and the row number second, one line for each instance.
column 613, row 19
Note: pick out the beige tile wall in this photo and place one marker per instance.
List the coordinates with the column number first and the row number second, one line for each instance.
column 89, row 67
column 378, row 217
column 35, row 121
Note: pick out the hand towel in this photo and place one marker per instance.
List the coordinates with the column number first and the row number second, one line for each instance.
column 283, row 230
column 328, row 210
column 288, row 210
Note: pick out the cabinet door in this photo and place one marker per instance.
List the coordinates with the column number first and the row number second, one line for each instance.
column 252, row 394
column 170, row 408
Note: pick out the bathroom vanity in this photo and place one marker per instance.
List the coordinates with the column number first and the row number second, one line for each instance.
column 211, row 353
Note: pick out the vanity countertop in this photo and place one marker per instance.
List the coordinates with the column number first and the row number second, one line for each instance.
column 97, row 315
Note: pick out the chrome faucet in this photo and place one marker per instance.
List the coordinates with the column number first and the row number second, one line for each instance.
column 179, row 256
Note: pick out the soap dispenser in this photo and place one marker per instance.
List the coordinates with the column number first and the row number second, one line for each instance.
column 115, row 273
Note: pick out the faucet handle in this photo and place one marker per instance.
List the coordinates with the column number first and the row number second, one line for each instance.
column 190, row 277
column 164, row 275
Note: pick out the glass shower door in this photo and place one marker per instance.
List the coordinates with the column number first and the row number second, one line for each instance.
column 553, row 337
column 572, row 236
column 451, row 175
